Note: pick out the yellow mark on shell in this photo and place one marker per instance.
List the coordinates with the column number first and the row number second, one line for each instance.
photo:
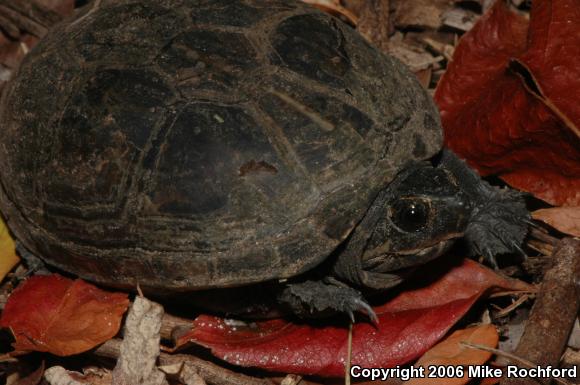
column 324, row 124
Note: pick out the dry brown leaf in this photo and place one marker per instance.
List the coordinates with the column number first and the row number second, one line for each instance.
column 334, row 9
column 563, row 219
column 420, row 13
column 450, row 352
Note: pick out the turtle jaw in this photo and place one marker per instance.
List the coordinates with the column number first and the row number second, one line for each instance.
column 404, row 259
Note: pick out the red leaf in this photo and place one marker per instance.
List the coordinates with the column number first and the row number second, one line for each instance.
column 498, row 125
column 409, row 325
column 553, row 56
column 61, row 316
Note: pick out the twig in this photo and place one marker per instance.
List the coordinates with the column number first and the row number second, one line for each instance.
column 511, row 357
column 170, row 325
column 291, row 379
column 514, row 305
column 348, row 355
column 210, row 372
column 511, row 292
column 540, row 234
column 541, row 241
column 554, row 312
column 541, row 247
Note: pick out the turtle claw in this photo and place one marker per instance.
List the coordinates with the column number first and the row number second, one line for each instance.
column 351, row 316
column 490, row 258
column 363, row 307
column 519, row 250
column 532, row 223
column 309, row 298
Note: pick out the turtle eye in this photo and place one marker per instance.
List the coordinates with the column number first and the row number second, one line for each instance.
column 410, row 215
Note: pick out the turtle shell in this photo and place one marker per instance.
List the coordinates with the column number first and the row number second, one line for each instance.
column 189, row 144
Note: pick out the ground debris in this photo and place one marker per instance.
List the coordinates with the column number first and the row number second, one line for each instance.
column 420, row 13
column 57, row 375
column 140, row 347
column 415, row 58
column 461, row 19
column 554, row 312
column 374, row 23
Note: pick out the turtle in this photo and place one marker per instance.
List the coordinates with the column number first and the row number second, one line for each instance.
column 193, row 145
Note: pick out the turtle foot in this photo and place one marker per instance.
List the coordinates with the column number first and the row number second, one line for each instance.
column 313, row 299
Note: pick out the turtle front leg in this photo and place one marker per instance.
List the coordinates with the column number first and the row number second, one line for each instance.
column 315, row 298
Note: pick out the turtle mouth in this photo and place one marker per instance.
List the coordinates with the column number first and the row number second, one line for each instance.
column 403, row 259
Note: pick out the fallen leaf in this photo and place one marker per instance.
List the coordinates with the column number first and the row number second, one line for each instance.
column 409, row 324
column 374, row 23
column 420, row 13
column 553, row 56
column 451, row 353
column 334, row 9
column 8, row 257
column 502, row 122
column 563, row 219
column 61, row 316
column 459, row 18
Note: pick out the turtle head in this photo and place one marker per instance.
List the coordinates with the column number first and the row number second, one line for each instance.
column 419, row 215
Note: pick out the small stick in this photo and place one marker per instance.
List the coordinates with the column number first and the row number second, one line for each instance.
column 542, row 235
column 511, row 357
column 210, row 372
column 513, row 306
column 348, row 355
column 554, row 312
column 541, row 247
column 171, row 324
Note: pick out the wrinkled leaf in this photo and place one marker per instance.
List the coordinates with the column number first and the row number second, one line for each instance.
column 419, row 13
column 410, row 323
column 8, row 257
column 553, row 56
column 61, row 316
column 495, row 116
column 563, row 219
column 450, row 352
